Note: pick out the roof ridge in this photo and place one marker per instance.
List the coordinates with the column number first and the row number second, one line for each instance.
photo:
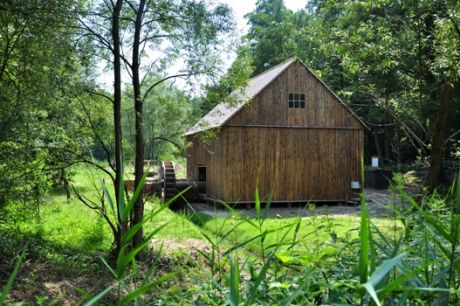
column 273, row 67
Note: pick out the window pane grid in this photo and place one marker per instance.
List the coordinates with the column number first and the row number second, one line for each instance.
column 296, row 100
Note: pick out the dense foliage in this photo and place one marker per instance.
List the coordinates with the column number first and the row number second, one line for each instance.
column 40, row 80
column 396, row 63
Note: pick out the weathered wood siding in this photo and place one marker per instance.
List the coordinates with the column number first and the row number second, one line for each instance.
column 296, row 164
column 270, row 107
column 300, row 154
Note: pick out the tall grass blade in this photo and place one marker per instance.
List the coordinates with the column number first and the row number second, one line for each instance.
column 95, row 299
column 121, row 199
column 123, row 260
column 240, row 245
column 108, row 198
column 9, row 282
column 234, row 282
column 206, row 236
column 457, row 194
column 396, row 284
column 132, row 201
column 255, row 287
column 141, row 290
column 363, row 265
column 291, row 297
column 108, row 267
column 267, row 206
column 240, row 216
column 379, row 275
column 135, row 228
column 295, row 235
column 257, row 202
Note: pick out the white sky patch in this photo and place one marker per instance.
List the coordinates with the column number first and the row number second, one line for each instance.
column 240, row 9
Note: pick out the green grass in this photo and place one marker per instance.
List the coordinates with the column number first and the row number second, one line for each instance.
column 179, row 225
column 259, row 259
column 71, row 224
column 70, row 238
column 313, row 233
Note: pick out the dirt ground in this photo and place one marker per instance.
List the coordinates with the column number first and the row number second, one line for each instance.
column 381, row 203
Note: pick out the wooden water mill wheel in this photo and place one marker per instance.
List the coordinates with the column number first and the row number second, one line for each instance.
column 168, row 177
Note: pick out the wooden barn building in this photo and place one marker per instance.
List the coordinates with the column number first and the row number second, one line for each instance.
column 286, row 131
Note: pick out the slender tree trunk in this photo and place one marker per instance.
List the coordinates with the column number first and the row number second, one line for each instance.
column 377, row 145
column 386, row 144
column 432, row 177
column 138, row 213
column 117, row 110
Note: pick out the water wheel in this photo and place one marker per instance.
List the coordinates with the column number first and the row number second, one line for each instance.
column 168, row 176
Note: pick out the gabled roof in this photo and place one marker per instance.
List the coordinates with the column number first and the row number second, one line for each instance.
column 222, row 112
column 225, row 110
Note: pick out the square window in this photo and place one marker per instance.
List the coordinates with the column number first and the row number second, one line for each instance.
column 296, row 100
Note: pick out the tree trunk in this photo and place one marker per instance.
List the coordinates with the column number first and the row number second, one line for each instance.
column 117, row 111
column 386, row 144
column 432, row 177
column 377, row 145
column 138, row 213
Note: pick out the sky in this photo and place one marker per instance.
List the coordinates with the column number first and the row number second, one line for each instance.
column 240, row 9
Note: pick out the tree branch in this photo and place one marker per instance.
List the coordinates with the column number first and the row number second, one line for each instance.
column 98, row 137
column 100, row 94
column 451, row 137
column 165, row 79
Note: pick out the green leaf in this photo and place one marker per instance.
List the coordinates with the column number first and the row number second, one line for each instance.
column 370, row 289
column 285, row 258
column 132, row 201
